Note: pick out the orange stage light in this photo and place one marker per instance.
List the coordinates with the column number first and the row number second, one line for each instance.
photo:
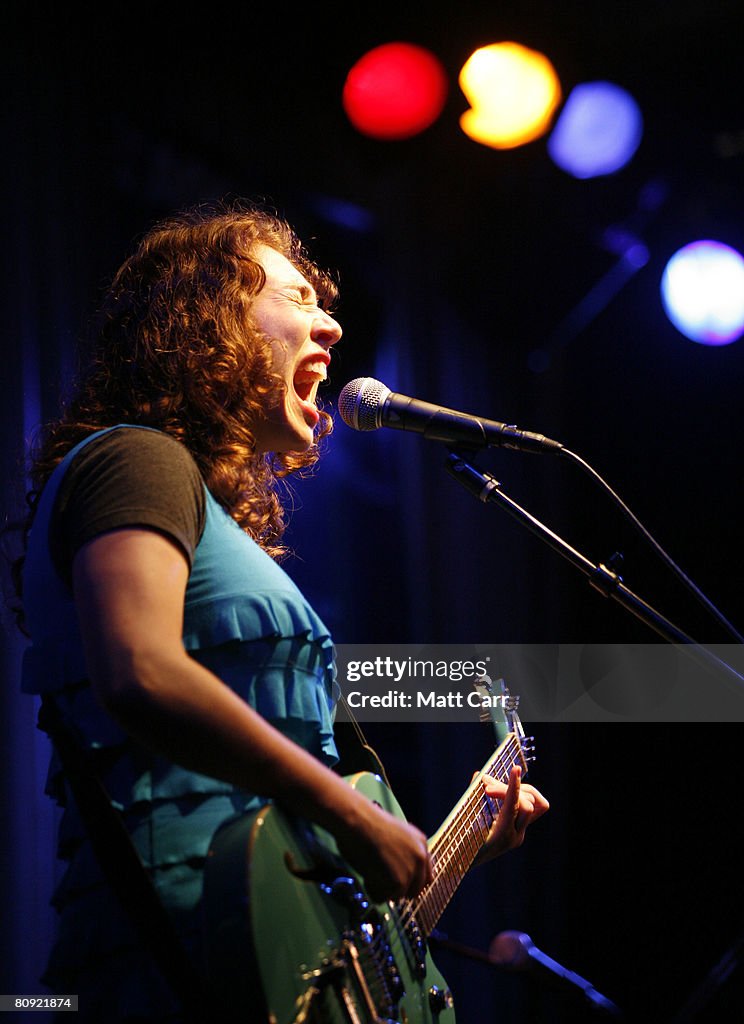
column 513, row 93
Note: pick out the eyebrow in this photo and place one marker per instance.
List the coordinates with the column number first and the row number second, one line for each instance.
column 305, row 290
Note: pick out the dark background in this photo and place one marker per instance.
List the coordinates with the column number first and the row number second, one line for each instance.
column 455, row 263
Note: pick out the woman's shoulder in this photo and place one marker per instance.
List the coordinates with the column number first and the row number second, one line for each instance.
column 127, row 476
column 129, row 441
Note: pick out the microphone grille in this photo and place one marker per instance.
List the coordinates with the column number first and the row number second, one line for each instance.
column 360, row 401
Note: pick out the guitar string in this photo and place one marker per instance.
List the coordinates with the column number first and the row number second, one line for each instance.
column 405, row 909
column 428, row 906
column 478, row 807
column 472, row 806
column 447, row 850
column 473, row 803
column 447, row 853
column 453, row 852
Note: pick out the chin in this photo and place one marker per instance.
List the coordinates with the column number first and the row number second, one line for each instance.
column 285, row 436
column 295, row 449
column 297, row 444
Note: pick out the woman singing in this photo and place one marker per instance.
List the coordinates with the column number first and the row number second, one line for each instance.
column 192, row 672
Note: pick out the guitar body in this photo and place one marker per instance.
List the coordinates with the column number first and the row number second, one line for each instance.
column 277, row 893
column 290, row 935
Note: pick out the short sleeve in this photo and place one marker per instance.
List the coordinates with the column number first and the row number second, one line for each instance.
column 129, row 477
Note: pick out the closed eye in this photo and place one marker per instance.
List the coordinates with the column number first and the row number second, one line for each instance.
column 303, row 297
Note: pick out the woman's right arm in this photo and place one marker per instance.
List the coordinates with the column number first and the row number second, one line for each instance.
column 129, row 587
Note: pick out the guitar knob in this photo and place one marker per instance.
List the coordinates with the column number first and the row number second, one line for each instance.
column 343, row 890
column 440, row 999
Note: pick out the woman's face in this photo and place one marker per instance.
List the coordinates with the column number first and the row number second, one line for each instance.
column 301, row 334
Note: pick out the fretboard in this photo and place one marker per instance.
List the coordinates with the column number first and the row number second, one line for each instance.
column 455, row 846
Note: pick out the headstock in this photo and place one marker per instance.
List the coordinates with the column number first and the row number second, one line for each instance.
column 499, row 707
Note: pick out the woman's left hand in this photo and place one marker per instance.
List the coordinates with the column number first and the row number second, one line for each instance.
column 521, row 805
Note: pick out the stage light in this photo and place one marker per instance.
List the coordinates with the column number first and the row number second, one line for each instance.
column 513, row 93
column 395, row 91
column 597, row 132
column 702, row 290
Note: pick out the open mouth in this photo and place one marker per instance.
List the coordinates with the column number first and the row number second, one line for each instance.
column 306, row 382
column 307, row 379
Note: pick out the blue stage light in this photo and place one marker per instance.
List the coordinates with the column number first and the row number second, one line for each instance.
column 702, row 290
column 597, row 132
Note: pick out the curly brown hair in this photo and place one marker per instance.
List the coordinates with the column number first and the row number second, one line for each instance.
column 175, row 348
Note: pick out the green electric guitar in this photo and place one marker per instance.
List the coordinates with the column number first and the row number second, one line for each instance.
column 291, row 935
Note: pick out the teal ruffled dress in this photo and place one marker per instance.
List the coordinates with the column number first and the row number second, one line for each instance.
column 246, row 621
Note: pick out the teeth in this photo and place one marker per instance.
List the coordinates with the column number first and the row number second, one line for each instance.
column 307, row 379
column 313, row 371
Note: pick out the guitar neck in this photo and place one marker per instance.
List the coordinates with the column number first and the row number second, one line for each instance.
column 456, row 844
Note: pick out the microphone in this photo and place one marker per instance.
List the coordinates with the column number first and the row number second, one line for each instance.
column 515, row 951
column 366, row 404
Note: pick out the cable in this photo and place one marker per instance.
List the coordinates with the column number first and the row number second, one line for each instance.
column 697, row 593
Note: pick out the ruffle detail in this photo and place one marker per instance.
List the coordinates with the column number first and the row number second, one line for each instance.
column 290, row 681
column 259, row 615
column 287, row 680
column 171, row 837
column 100, row 953
column 246, row 621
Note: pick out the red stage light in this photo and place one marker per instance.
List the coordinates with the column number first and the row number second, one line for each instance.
column 395, row 91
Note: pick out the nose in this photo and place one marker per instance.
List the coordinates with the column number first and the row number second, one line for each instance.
column 325, row 330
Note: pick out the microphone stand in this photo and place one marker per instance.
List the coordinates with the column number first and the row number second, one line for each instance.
column 712, row 983
column 595, row 1000
column 487, row 489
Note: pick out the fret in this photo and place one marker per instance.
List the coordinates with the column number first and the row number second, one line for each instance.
column 457, row 844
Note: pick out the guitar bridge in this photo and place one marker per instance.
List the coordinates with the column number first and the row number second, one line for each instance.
column 340, row 974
